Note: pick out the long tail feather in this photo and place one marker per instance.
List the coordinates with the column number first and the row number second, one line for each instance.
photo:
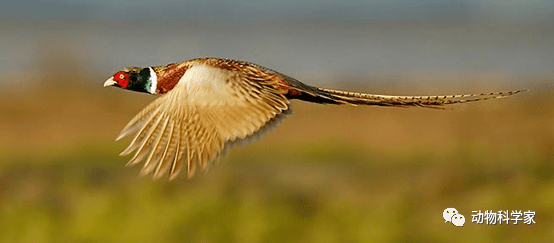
column 434, row 101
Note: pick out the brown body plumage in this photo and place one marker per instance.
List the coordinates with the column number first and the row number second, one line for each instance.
column 208, row 103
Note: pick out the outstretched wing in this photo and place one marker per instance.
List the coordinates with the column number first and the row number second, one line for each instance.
column 193, row 122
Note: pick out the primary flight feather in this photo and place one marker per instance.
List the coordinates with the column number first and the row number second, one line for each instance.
column 207, row 103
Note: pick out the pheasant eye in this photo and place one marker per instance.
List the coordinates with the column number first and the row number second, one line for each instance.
column 122, row 79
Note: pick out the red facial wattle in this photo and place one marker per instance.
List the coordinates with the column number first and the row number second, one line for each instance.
column 122, row 79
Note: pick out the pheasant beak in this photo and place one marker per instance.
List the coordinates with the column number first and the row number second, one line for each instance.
column 109, row 82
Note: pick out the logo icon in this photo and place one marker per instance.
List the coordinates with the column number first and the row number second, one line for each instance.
column 452, row 215
column 448, row 213
column 458, row 220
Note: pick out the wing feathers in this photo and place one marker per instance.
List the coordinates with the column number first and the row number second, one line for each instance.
column 181, row 149
column 141, row 134
column 190, row 126
column 140, row 119
column 169, row 152
column 145, row 143
column 158, row 148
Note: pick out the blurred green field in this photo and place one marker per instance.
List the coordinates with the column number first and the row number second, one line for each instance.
column 326, row 174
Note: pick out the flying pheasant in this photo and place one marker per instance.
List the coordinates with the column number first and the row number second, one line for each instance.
column 208, row 103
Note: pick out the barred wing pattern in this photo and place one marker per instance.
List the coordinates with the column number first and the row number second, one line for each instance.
column 191, row 124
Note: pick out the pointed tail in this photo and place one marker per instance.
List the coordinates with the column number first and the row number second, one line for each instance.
column 330, row 96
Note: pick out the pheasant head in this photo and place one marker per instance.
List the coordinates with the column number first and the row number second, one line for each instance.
column 134, row 79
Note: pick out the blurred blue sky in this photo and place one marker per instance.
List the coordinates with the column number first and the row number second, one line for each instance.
column 359, row 10
column 315, row 40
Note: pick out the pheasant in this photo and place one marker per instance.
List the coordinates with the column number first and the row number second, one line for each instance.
column 207, row 104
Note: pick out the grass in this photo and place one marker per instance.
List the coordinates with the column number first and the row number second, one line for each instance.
column 327, row 174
